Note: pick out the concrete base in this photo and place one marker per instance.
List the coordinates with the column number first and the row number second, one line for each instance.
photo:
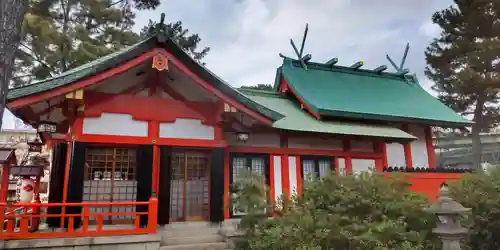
column 125, row 242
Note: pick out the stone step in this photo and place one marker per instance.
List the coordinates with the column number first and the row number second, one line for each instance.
column 189, row 224
column 189, row 232
column 202, row 246
column 192, row 239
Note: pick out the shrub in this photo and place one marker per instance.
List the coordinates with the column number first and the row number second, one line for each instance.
column 368, row 211
column 480, row 191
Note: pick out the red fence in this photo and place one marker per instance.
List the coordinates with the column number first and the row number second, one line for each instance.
column 22, row 220
column 428, row 183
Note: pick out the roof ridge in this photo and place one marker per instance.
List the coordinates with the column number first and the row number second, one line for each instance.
column 260, row 92
column 345, row 69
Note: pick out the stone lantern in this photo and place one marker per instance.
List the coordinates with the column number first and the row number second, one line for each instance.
column 448, row 227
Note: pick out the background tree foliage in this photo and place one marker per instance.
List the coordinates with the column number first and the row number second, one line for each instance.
column 268, row 87
column 59, row 35
column 188, row 43
column 348, row 212
column 480, row 192
column 463, row 63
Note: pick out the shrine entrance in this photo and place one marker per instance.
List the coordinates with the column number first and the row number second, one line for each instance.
column 189, row 185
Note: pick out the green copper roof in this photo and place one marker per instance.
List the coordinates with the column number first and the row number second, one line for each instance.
column 344, row 92
column 83, row 71
column 117, row 58
column 298, row 120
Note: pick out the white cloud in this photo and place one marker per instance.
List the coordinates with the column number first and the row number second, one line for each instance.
column 429, row 29
column 246, row 36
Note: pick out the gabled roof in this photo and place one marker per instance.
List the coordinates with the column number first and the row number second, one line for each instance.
column 338, row 91
column 93, row 67
column 113, row 60
column 8, row 156
column 296, row 119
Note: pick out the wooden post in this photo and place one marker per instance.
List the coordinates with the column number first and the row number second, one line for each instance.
column 4, row 190
column 346, row 143
column 156, row 170
column 153, row 214
column 66, row 173
column 65, row 184
column 227, row 185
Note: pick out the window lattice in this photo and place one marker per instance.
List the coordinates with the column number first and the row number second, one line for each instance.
column 314, row 168
column 255, row 164
column 110, row 175
column 308, row 168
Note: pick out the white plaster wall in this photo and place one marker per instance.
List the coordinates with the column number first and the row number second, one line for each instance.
column 419, row 155
column 292, row 169
column 318, row 142
column 341, row 166
column 187, row 129
column 361, row 165
column 271, row 140
column 114, row 124
column 395, row 154
column 361, row 146
column 276, row 168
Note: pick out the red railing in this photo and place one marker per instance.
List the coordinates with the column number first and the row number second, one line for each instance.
column 24, row 224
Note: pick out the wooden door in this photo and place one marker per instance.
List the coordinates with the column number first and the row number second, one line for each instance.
column 110, row 176
column 189, row 185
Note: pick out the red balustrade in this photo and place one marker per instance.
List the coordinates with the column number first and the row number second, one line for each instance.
column 22, row 219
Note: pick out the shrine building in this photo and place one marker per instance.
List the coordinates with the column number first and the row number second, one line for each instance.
column 149, row 122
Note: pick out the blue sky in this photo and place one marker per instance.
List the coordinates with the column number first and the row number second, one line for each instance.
column 245, row 36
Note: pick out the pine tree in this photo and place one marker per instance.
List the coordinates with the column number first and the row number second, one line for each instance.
column 63, row 34
column 463, row 63
column 11, row 18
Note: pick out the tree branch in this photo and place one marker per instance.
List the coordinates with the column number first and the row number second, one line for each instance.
column 115, row 3
column 33, row 55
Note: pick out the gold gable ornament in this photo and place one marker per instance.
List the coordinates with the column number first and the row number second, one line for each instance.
column 160, row 62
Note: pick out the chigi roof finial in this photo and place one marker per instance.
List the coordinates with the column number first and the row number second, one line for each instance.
column 400, row 69
column 161, row 29
column 162, row 18
column 303, row 59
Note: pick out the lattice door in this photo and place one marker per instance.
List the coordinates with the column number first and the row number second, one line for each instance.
column 189, row 186
column 110, row 176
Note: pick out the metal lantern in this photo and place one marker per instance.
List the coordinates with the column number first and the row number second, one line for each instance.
column 47, row 127
column 35, row 146
column 242, row 136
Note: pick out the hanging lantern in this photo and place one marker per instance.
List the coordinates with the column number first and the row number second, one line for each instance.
column 242, row 136
column 35, row 146
column 47, row 127
column 160, row 62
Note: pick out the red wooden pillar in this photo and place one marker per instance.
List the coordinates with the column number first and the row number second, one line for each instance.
column 66, row 173
column 348, row 160
column 156, row 169
column 285, row 172
column 227, row 185
column 154, row 134
column 5, row 184
column 285, row 176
